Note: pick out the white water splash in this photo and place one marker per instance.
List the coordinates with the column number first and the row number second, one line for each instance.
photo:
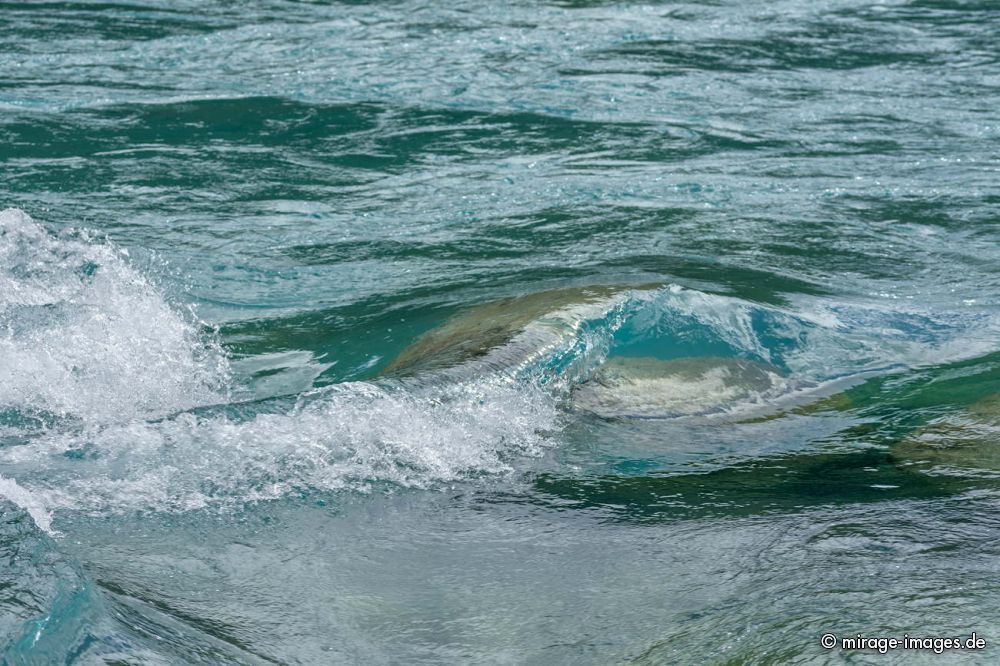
column 348, row 436
column 84, row 335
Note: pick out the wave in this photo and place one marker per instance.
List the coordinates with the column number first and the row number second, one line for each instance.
column 47, row 599
column 348, row 436
column 115, row 401
column 85, row 336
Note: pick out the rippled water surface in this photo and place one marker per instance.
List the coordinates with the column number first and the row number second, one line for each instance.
column 549, row 333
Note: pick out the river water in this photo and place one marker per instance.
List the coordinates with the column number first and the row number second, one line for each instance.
column 548, row 333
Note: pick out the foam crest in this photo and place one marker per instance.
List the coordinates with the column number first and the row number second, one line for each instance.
column 84, row 335
column 347, row 436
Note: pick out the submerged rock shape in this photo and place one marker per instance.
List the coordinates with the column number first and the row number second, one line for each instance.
column 652, row 387
column 754, row 487
column 543, row 317
column 967, row 440
column 516, row 333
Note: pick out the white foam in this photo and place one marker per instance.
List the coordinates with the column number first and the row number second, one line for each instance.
column 345, row 436
column 83, row 334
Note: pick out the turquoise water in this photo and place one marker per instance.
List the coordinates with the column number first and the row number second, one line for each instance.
column 548, row 333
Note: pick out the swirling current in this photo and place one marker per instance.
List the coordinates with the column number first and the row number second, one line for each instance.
column 547, row 333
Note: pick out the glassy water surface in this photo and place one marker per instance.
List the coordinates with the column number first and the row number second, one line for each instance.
column 551, row 333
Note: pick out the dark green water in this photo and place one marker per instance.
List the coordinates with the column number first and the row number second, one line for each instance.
column 548, row 333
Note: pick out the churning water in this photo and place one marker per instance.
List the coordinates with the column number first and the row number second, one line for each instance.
column 559, row 333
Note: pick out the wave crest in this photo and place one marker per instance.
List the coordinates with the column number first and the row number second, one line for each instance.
column 85, row 335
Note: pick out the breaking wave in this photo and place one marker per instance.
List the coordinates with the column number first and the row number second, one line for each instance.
column 114, row 400
column 84, row 335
